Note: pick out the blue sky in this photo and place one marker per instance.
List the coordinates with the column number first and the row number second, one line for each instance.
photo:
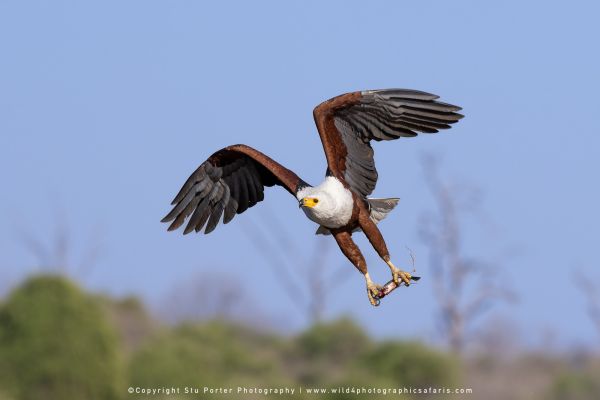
column 106, row 108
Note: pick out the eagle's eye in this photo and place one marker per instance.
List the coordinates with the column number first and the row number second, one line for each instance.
column 316, row 201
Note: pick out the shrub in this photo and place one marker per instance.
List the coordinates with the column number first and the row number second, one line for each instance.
column 413, row 364
column 210, row 354
column 55, row 343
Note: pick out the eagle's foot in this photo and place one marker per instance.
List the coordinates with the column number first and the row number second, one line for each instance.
column 400, row 276
column 373, row 291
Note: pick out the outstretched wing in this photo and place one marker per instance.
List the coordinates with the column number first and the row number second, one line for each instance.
column 349, row 122
column 229, row 182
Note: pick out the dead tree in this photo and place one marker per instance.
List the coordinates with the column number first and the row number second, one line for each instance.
column 591, row 293
column 302, row 274
column 464, row 288
column 199, row 299
column 56, row 255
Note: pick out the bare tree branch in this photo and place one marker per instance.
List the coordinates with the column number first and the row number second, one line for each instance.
column 591, row 293
column 464, row 288
column 275, row 261
column 302, row 273
column 56, row 255
column 199, row 298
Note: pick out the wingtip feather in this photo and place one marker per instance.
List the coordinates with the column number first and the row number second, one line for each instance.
column 172, row 228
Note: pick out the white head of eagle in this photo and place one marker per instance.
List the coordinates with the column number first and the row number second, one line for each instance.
column 330, row 204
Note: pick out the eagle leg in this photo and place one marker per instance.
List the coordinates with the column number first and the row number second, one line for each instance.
column 374, row 235
column 352, row 252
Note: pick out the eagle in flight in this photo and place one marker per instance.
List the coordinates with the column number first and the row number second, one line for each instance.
column 234, row 178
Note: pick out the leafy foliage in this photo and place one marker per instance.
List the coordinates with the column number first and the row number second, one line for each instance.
column 413, row 364
column 575, row 386
column 337, row 342
column 56, row 344
column 213, row 354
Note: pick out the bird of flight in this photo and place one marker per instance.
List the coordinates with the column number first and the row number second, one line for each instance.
column 234, row 178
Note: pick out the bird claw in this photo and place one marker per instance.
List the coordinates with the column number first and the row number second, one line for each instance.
column 374, row 292
column 401, row 277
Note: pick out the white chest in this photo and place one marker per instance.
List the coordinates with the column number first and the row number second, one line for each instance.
column 335, row 206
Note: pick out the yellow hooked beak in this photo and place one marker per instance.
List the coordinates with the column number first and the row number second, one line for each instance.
column 309, row 202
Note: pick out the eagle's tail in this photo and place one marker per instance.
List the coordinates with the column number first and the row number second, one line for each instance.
column 378, row 208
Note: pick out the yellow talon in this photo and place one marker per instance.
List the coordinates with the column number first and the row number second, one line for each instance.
column 373, row 291
column 398, row 275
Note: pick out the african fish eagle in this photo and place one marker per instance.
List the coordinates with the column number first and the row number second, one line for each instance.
column 233, row 179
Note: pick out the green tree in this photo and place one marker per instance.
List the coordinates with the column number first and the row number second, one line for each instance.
column 131, row 321
column 412, row 364
column 210, row 354
column 55, row 343
column 337, row 341
column 575, row 386
column 328, row 352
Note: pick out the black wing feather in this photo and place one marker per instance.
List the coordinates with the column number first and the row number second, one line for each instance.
column 385, row 115
column 228, row 183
